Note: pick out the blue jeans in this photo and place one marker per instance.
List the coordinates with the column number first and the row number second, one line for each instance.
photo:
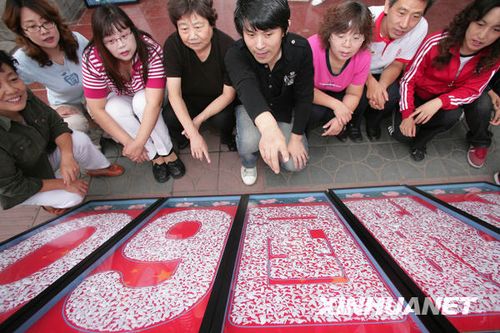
column 248, row 137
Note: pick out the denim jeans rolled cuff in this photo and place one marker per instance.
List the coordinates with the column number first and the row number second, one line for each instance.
column 249, row 160
column 248, row 137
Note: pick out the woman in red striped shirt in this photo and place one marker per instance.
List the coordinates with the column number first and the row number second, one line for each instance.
column 124, row 83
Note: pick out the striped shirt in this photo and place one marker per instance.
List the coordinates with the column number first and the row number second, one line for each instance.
column 97, row 84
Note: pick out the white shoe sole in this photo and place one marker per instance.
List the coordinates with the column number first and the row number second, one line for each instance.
column 248, row 182
column 472, row 164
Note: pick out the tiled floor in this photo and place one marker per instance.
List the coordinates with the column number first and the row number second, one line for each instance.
column 332, row 163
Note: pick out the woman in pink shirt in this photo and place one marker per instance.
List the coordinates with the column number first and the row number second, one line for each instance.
column 124, row 83
column 341, row 65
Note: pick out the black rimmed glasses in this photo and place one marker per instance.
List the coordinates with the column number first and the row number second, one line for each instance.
column 36, row 28
column 114, row 41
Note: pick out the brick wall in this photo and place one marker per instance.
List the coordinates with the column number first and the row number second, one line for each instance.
column 70, row 9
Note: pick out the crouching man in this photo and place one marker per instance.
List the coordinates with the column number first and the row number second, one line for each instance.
column 272, row 72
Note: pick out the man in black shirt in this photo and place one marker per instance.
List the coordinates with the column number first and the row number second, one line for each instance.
column 272, row 72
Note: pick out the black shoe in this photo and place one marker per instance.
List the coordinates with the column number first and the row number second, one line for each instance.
column 373, row 133
column 342, row 136
column 161, row 172
column 354, row 133
column 176, row 168
column 417, row 154
column 230, row 142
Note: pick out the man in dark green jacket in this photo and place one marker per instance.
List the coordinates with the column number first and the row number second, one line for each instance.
column 35, row 141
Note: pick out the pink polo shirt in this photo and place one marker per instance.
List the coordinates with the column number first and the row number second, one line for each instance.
column 354, row 73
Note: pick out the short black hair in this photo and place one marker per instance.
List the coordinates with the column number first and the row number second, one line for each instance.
column 8, row 60
column 203, row 8
column 261, row 14
column 428, row 4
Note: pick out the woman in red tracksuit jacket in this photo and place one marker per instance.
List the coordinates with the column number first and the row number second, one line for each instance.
column 449, row 72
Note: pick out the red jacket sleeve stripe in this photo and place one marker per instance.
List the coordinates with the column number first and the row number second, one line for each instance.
column 407, row 86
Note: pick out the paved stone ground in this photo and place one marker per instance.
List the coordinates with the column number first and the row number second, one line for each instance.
column 332, row 164
column 384, row 162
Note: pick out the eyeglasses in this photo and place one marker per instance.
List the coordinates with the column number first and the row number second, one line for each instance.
column 114, row 41
column 36, row 28
column 354, row 39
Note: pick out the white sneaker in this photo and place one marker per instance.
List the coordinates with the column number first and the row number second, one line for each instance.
column 249, row 175
column 317, row 2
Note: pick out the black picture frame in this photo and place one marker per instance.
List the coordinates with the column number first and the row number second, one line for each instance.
column 95, row 3
column 17, row 318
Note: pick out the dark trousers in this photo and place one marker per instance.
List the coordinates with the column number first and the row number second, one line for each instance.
column 374, row 117
column 320, row 115
column 442, row 121
column 224, row 121
column 478, row 116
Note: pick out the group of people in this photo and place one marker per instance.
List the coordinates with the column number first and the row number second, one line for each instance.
column 272, row 87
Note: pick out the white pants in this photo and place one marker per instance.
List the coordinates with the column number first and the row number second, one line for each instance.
column 87, row 156
column 128, row 111
column 77, row 121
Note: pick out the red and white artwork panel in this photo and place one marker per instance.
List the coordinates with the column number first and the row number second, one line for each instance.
column 481, row 200
column 29, row 266
column 445, row 256
column 296, row 262
column 486, row 206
